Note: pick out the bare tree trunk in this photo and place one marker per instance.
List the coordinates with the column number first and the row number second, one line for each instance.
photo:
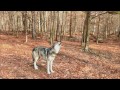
column 58, row 22
column 52, row 30
column 17, row 25
column 41, row 30
column 39, row 22
column 11, row 21
column 45, row 16
column 26, row 26
column 98, row 30
column 65, row 26
column 70, row 29
column 43, row 21
column 83, row 32
column 118, row 27
column 24, row 14
column 85, row 36
column 61, row 25
column 106, row 27
column 94, row 27
column 74, row 27
column 119, row 33
column 33, row 25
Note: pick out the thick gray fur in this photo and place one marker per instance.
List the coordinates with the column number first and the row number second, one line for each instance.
column 47, row 53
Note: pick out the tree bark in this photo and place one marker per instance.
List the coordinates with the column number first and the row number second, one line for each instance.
column 98, row 30
column 85, row 36
column 33, row 25
column 70, row 29
column 24, row 14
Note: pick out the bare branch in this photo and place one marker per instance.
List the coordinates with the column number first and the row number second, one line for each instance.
column 99, row 15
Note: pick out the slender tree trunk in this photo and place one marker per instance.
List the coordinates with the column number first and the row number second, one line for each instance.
column 118, row 26
column 106, row 27
column 33, row 25
column 118, row 31
column 17, row 25
column 58, row 22
column 85, row 36
column 39, row 22
column 94, row 27
column 45, row 16
column 52, row 30
column 70, row 29
column 61, row 25
column 11, row 21
column 25, row 24
column 98, row 30
column 74, row 27
column 87, row 32
column 83, row 32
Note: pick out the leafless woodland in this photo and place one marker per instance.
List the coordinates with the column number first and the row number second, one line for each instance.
column 90, row 44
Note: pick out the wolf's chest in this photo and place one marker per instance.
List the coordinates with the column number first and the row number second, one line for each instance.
column 51, row 57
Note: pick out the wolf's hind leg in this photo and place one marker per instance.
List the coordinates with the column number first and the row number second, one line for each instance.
column 35, row 64
column 35, row 59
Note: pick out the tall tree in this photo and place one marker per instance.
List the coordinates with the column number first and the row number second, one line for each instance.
column 11, row 21
column 119, row 26
column 70, row 28
column 24, row 15
column 52, row 30
column 98, row 30
column 58, row 23
column 33, row 25
column 85, row 36
column 17, row 25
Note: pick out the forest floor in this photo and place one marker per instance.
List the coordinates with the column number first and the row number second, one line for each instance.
column 102, row 62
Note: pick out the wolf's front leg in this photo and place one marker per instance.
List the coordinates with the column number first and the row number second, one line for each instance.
column 51, row 65
column 48, row 66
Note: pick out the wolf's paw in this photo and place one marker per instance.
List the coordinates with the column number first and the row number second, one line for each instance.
column 52, row 71
column 48, row 72
column 36, row 67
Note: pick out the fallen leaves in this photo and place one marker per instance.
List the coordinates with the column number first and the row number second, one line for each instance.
column 70, row 63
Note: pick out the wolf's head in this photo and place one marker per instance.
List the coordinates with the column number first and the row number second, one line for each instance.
column 57, row 46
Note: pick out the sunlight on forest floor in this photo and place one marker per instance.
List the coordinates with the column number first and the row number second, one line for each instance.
column 103, row 61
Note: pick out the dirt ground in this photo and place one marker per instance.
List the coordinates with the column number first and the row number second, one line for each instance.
column 102, row 62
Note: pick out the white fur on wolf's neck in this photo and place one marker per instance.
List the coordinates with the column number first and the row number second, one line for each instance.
column 57, row 47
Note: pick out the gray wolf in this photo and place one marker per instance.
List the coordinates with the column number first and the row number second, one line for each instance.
column 48, row 54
